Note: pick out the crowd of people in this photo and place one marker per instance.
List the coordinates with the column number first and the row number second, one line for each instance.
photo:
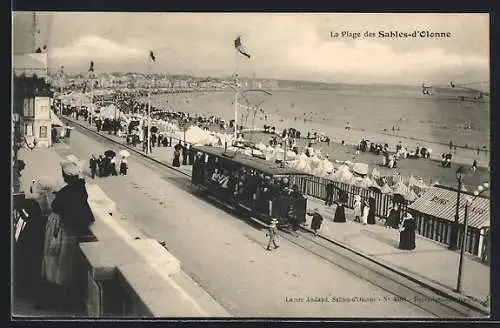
column 106, row 165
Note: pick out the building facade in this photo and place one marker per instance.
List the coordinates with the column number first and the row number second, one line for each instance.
column 32, row 99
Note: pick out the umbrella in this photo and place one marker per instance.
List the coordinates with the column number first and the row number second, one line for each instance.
column 154, row 129
column 124, row 153
column 109, row 153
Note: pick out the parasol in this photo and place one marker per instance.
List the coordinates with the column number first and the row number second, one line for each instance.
column 154, row 129
column 124, row 153
column 109, row 153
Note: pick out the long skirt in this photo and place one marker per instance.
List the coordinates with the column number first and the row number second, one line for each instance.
column 176, row 161
column 123, row 168
column 339, row 214
column 316, row 223
column 60, row 250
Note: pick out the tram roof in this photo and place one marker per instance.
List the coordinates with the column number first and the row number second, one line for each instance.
column 262, row 165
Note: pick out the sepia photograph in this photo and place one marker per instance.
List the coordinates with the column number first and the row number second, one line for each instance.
column 250, row 165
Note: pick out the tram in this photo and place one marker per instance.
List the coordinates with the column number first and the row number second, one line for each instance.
column 258, row 187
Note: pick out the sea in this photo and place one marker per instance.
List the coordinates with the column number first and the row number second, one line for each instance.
column 400, row 111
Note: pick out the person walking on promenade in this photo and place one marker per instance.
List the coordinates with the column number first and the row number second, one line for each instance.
column 67, row 225
column 339, row 213
column 357, row 208
column 123, row 166
column 474, row 166
column 371, row 213
column 317, row 220
column 176, row 161
column 184, row 154
column 392, row 220
column 112, row 166
column 100, row 165
column 329, row 193
column 365, row 211
column 271, row 233
column 93, row 166
column 407, row 232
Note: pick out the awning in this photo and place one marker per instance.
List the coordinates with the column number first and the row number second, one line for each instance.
column 441, row 202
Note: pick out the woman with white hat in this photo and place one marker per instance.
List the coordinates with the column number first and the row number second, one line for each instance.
column 357, row 208
column 66, row 227
column 366, row 210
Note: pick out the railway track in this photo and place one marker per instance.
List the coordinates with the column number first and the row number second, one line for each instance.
column 398, row 287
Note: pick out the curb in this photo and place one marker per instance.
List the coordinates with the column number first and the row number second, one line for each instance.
column 458, row 298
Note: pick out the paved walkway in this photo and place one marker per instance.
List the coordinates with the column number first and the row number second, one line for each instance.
column 430, row 261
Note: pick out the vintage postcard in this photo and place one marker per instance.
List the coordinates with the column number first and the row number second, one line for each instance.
column 249, row 165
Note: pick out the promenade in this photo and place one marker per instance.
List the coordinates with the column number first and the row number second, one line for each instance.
column 430, row 262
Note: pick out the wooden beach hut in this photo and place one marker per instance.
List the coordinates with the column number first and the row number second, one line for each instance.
column 435, row 215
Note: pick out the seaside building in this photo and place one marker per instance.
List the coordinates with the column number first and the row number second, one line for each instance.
column 32, row 98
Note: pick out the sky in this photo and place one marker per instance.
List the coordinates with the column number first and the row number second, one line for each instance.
column 295, row 46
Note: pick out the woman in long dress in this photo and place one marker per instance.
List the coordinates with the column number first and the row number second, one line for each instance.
column 357, row 208
column 393, row 218
column 316, row 221
column 123, row 166
column 366, row 210
column 339, row 213
column 176, row 162
column 407, row 232
column 67, row 226
column 371, row 213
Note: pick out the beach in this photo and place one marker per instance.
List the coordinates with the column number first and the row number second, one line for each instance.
column 422, row 121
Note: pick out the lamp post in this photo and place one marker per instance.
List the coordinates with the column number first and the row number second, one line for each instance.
column 468, row 202
column 236, row 95
column 454, row 228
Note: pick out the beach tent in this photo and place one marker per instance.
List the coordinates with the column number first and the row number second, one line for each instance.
column 360, row 168
column 367, row 182
column 385, row 189
column 260, row 146
column 327, row 166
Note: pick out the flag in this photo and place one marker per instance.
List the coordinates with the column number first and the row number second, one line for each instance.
column 91, row 67
column 152, row 56
column 239, row 47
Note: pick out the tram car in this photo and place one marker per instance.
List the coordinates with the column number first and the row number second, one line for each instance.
column 261, row 188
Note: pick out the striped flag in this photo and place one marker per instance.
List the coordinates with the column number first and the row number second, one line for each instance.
column 91, row 67
column 239, row 47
